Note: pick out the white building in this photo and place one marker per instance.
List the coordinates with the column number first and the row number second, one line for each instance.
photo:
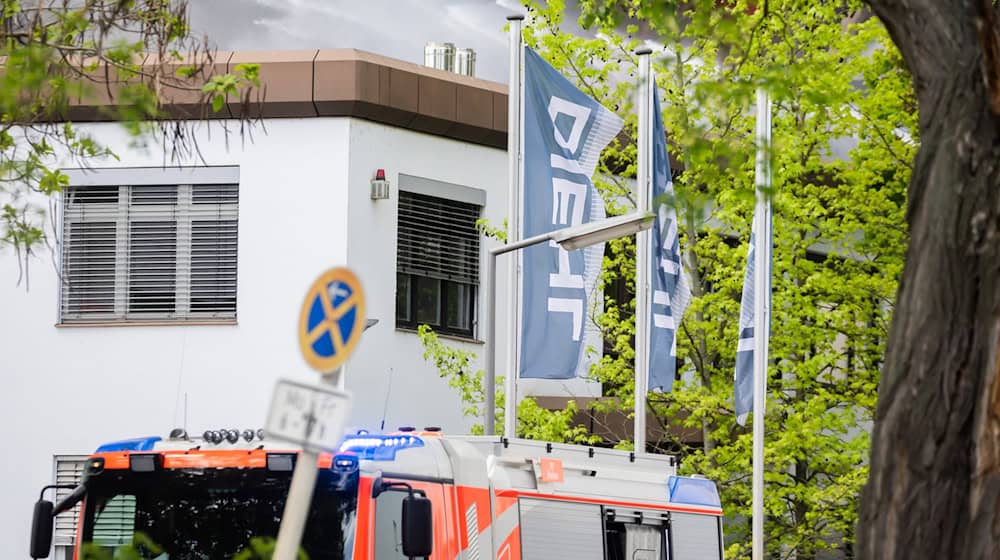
column 173, row 296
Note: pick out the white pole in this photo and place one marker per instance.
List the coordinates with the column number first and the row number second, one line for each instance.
column 490, row 346
column 762, row 302
column 642, row 247
column 293, row 518
column 514, row 90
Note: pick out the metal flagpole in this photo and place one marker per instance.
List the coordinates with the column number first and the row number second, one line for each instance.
column 514, row 89
column 642, row 244
column 762, row 303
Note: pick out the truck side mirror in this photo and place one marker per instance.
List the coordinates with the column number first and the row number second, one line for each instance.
column 41, row 529
column 418, row 528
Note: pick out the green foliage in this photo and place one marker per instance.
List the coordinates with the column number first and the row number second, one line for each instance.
column 455, row 365
column 499, row 233
column 844, row 132
column 141, row 547
column 534, row 422
column 262, row 548
column 57, row 54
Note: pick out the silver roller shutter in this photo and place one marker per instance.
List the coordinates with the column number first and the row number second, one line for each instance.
column 694, row 537
column 553, row 529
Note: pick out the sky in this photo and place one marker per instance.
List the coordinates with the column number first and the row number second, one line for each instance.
column 394, row 28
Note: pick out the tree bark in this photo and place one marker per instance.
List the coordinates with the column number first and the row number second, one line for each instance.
column 934, row 489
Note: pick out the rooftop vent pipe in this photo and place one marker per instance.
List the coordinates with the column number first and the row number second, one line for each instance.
column 444, row 56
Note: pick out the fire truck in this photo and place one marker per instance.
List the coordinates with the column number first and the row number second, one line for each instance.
column 388, row 496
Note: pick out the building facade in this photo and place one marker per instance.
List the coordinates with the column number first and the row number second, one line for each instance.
column 172, row 293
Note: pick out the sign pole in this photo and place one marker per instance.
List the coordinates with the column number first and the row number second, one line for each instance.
column 293, row 518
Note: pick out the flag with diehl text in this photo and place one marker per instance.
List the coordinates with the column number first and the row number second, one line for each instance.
column 564, row 133
column 668, row 284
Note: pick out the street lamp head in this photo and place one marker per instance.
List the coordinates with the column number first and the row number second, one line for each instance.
column 592, row 233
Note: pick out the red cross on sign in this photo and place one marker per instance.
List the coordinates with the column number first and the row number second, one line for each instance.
column 552, row 470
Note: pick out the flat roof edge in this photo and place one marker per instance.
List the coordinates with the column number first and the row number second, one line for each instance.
column 340, row 83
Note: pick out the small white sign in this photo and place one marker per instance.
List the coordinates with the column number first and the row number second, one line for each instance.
column 308, row 415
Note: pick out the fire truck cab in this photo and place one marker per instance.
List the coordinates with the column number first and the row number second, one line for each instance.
column 221, row 496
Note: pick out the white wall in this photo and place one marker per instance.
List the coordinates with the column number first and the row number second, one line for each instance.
column 69, row 389
column 416, row 388
column 418, row 397
column 304, row 207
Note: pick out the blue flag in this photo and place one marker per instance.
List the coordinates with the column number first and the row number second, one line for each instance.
column 564, row 133
column 668, row 284
column 745, row 348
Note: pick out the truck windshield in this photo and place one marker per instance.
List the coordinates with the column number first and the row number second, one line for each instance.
column 201, row 514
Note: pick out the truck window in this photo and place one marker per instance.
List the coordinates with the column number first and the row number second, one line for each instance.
column 114, row 523
column 695, row 537
column 196, row 514
column 554, row 529
column 388, row 529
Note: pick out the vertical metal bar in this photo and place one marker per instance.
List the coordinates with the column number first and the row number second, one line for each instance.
column 762, row 301
column 513, row 218
column 642, row 241
column 293, row 518
column 184, row 248
column 490, row 381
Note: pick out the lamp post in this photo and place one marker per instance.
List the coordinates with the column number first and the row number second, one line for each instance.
column 571, row 238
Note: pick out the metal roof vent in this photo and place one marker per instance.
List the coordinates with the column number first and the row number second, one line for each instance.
column 444, row 56
column 440, row 56
column 465, row 62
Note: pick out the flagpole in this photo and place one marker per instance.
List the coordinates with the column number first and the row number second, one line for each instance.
column 514, row 91
column 762, row 301
column 642, row 243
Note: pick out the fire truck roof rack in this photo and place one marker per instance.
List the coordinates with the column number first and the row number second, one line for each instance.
column 521, row 448
column 580, row 471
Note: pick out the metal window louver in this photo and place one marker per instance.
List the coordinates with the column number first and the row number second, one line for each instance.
column 68, row 470
column 437, row 238
column 149, row 252
column 114, row 525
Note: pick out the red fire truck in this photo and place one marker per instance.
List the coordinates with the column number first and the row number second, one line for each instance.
column 388, row 495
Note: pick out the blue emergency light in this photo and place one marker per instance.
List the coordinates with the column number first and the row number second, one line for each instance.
column 378, row 447
column 693, row 491
column 137, row 444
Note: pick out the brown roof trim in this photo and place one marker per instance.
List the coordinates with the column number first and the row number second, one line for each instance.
column 350, row 83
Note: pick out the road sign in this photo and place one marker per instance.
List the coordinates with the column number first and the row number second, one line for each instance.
column 331, row 320
column 311, row 416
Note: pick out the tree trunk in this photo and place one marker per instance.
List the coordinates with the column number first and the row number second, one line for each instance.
column 934, row 489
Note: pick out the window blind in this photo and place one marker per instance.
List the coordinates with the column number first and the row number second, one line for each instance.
column 68, row 470
column 115, row 524
column 149, row 252
column 437, row 238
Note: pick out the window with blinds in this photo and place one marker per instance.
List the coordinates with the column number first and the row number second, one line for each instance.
column 68, row 470
column 114, row 524
column 437, row 263
column 149, row 252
